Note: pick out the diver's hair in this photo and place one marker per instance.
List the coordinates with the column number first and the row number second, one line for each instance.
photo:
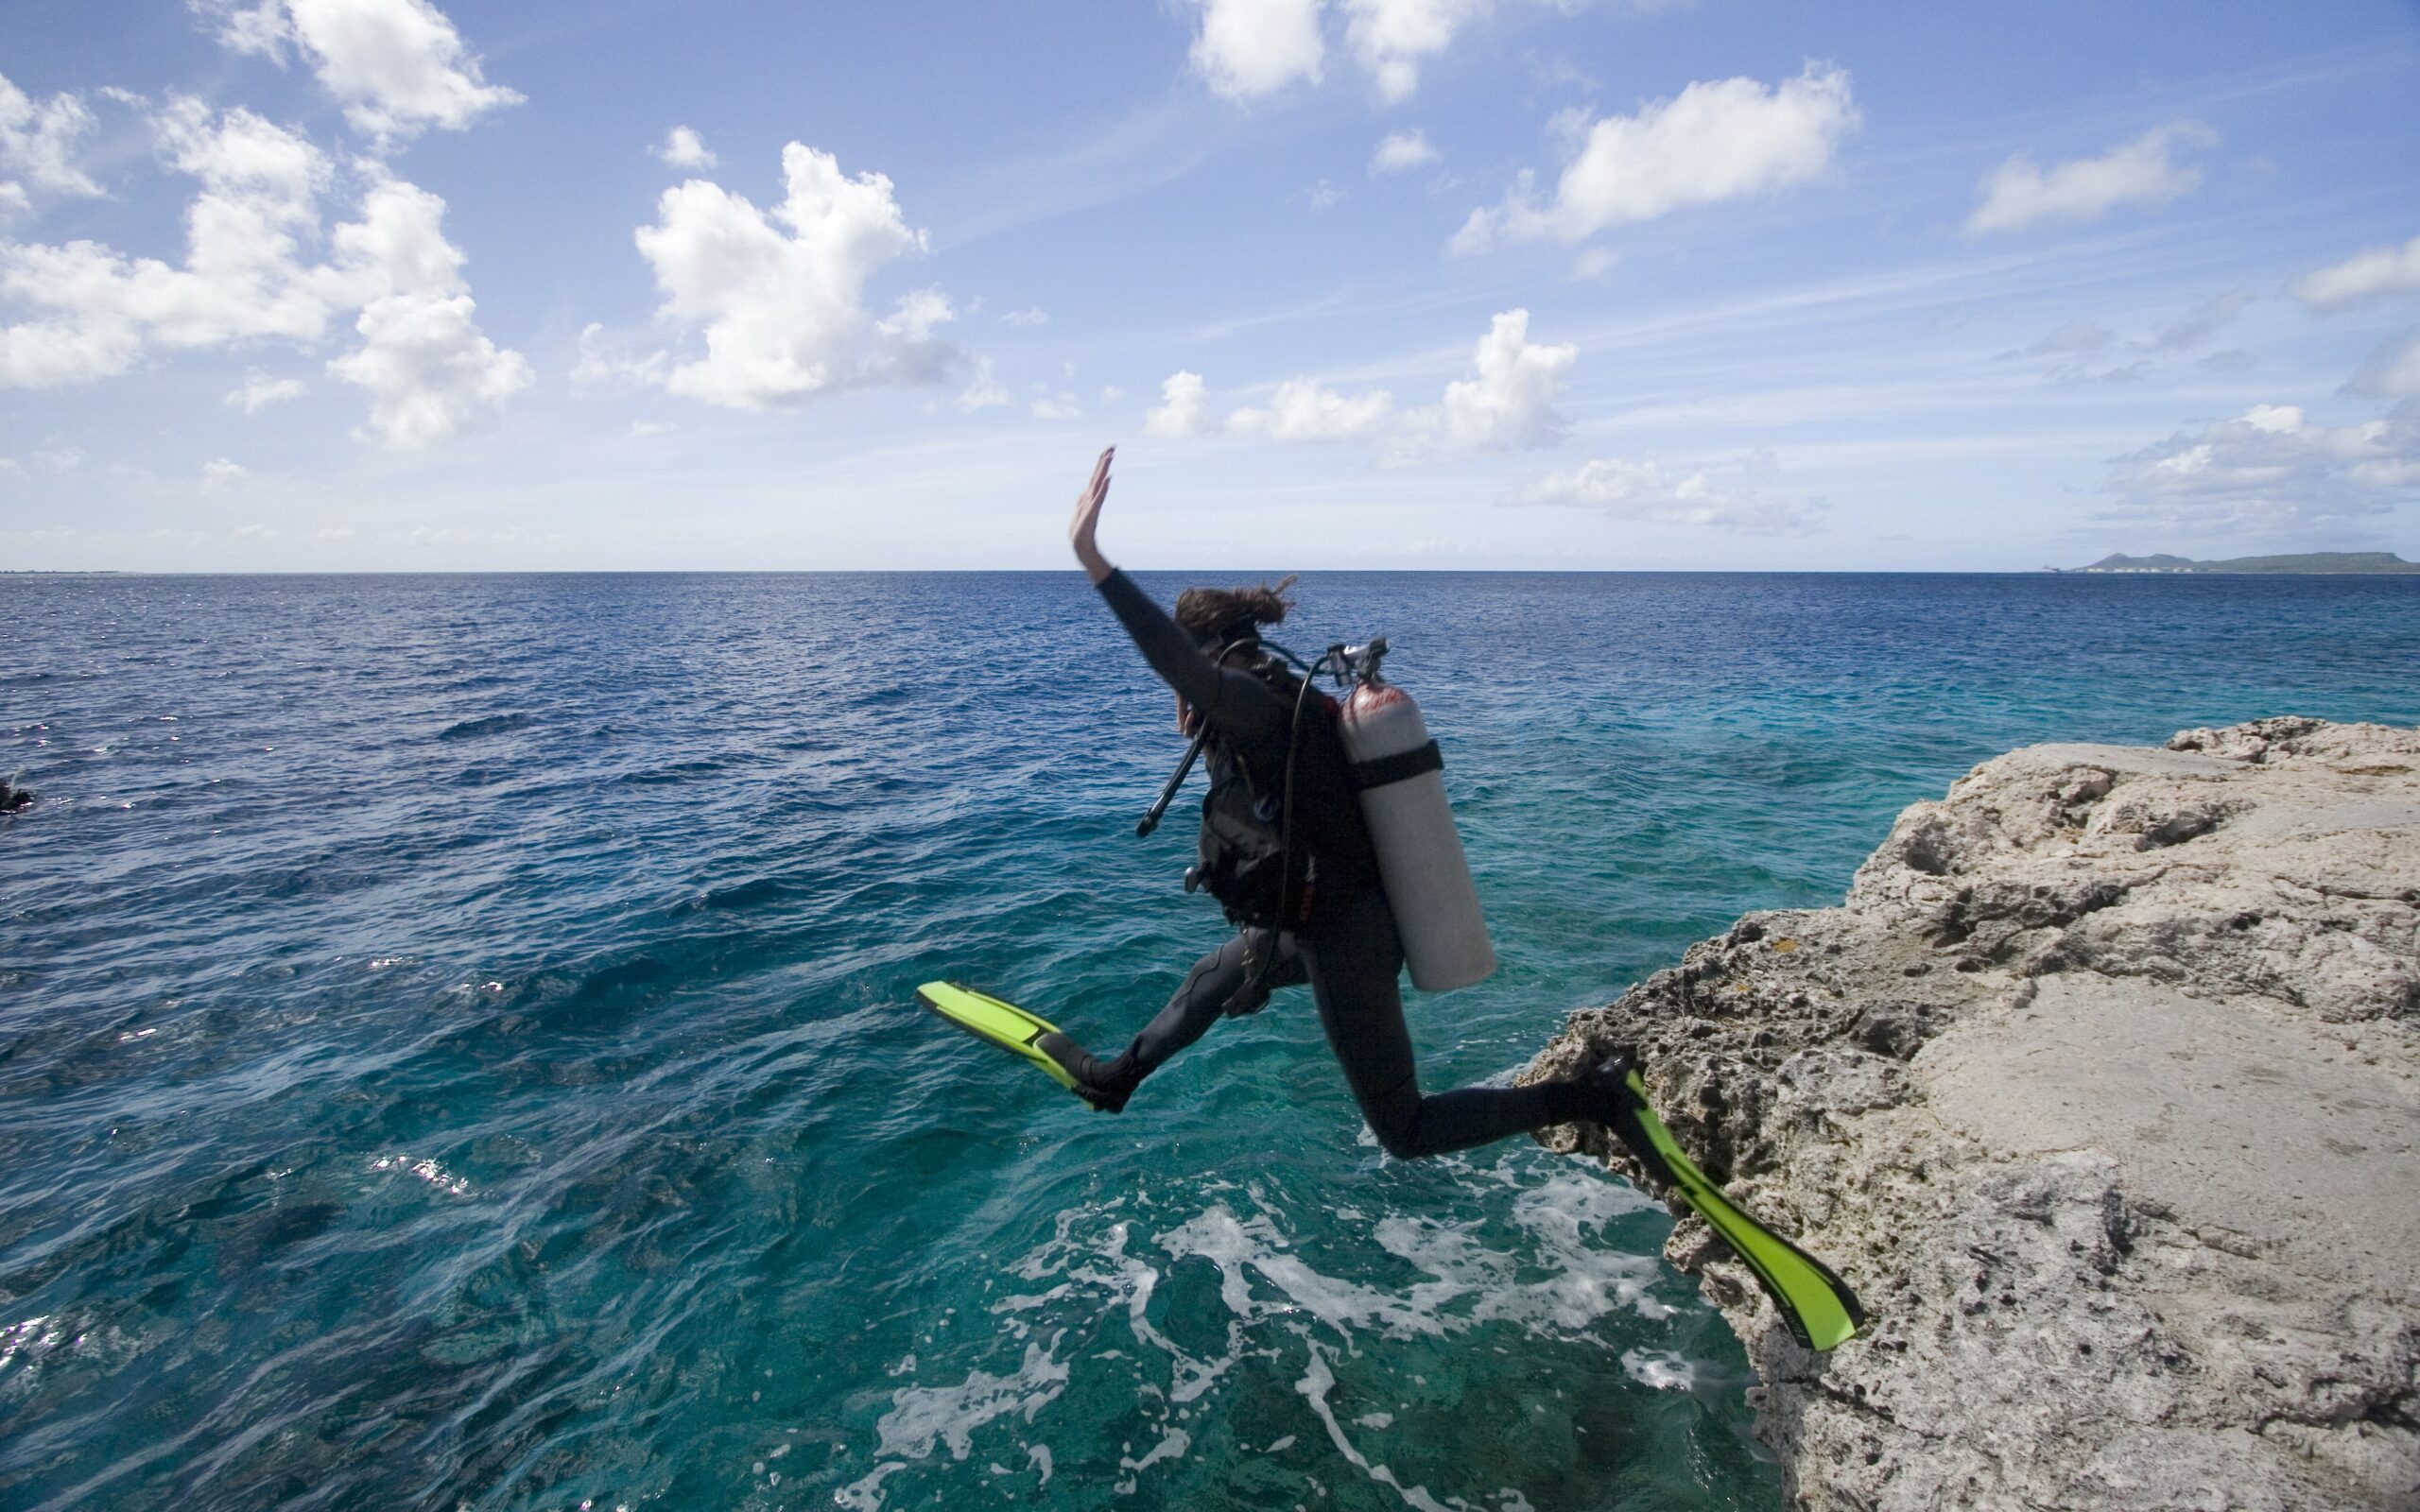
column 1206, row 610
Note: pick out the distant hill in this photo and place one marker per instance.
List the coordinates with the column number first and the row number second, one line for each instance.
column 2309, row 562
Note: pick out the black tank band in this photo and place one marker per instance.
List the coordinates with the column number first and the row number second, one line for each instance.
column 1399, row 766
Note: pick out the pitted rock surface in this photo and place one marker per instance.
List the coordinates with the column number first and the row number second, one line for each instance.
column 2102, row 1088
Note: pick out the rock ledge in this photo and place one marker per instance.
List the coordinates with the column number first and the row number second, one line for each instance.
column 2102, row 1088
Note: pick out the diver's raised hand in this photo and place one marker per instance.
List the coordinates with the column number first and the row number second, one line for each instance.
column 1087, row 520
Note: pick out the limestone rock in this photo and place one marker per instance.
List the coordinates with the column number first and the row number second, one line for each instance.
column 2102, row 1088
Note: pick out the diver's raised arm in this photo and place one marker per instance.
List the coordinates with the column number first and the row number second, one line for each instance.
column 1087, row 520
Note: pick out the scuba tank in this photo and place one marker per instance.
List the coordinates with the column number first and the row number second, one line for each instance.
column 1403, row 801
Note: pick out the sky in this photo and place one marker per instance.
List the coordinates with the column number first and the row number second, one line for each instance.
column 386, row 286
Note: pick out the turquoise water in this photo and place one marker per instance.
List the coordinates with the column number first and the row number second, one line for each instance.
column 458, row 1044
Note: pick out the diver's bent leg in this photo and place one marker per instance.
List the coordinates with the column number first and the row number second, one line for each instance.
column 1352, row 967
column 1213, row 982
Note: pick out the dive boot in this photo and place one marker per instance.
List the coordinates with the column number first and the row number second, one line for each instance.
column 1091, row 1078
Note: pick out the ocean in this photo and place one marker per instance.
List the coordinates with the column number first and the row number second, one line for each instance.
column 458, row 1046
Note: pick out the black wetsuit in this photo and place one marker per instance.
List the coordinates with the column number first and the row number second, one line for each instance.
column 1348, row 953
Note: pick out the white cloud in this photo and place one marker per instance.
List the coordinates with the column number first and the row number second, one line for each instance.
column 260, row 390
column 1506, row 404
column 1304, row 411
column 429, row 371
column 1247, row 49
column 59, row 461
column 1028, row 319
column 398, row 65
column 1112, row 394
column 2020, row 192
column 1324, row 195
column 1389, row 37
column 221, row 475
column 40, row 141
column 243, row 275
column 1715, row 141
column 2378, row 270
column 1646, row 493
column 2271, row 467
column 983, row 391
column 783, row 311
column 1401, row 150
column 1594, row 263
column 684, row 148
column 2392, row 368
column 1058, row 406
column 1183, row 409
column 13, row 198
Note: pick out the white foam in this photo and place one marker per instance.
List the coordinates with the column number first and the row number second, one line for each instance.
column 923, row 1416
column 1314, row 1386
column 1172, row 1447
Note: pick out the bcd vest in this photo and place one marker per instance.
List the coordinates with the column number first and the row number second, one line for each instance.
column 1243, row 853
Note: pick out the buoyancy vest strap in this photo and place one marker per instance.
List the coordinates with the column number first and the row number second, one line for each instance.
column 1398, row 767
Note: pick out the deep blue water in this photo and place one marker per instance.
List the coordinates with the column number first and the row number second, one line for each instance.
column 458, row 1044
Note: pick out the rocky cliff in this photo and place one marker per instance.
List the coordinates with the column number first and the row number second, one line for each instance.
column 2102, row 1088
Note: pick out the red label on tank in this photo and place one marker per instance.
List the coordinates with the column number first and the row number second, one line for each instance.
column 1372, row 699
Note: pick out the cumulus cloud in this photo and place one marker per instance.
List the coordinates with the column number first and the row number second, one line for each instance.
column 684, row 148
column 1028, row 319
column 398, row 65
column 1647, row 493
column 260, row 390
column 247, row 276
column 1403, row 150
column 1183, row 409
column 243, row 275
column 219, row 475
column 1388, row 38
column 1249, row 48
column 1058, row 406
column 432, row 374
column 983, row 391
column 2392, row 368
column 1506, row 404
column 2378, row 270
column 2140, row 173
column 1304, row 411
column 2271, row 467
column 780, row 296
column 40, row 141
column 1720, row 140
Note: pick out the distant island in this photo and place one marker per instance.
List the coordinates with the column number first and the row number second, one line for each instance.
column 2309, row 562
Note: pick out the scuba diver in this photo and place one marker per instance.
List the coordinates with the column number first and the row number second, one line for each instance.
column 1285, row 849
column 1288, row 849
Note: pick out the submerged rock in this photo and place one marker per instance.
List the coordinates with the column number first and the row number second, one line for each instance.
column 2102, row 1088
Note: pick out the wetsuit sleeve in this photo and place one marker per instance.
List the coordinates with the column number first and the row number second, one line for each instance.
column 1244, row 710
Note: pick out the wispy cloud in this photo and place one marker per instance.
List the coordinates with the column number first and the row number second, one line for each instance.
column 2140, row 173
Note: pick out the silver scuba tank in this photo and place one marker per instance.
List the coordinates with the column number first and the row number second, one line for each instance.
column 1421, row 864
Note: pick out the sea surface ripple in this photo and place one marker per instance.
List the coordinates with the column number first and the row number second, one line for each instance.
column 457, row 1043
